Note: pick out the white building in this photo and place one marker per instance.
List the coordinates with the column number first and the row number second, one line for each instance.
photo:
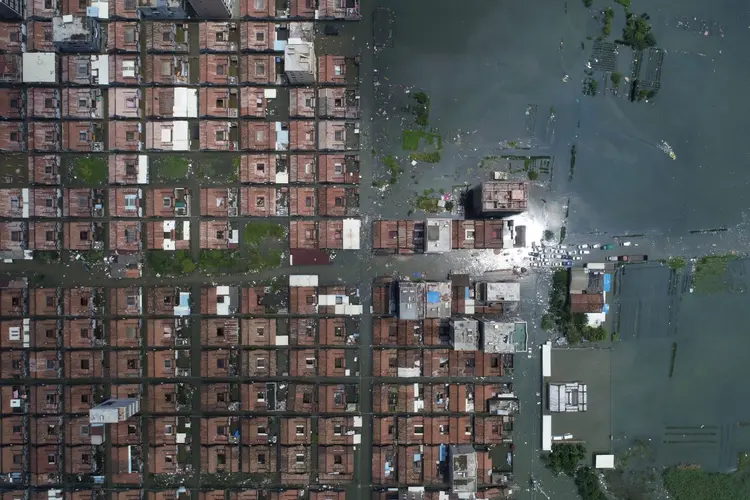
column 299, row 62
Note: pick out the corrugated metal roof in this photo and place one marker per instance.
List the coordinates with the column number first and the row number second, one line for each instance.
column 586, row 302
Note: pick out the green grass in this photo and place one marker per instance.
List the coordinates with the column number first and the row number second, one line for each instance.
column 91, row 170
column 261, row 246
column 676, row 263
column 693, row 483
column 257, row 232
column 427, row 201
column 710, row 273
column 412, row 140
column 218, row 170
column 624, row 3
column 170, row 167
column 433, row 157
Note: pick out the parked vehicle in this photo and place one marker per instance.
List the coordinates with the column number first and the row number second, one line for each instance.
column 597, row 266
column 577, row 258
column 626, row 243
column 636, row 258
column 613, row 258
column 586, row 252
column 583, row 246
column 608, row 246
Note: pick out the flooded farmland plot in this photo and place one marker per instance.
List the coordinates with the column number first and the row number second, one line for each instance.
column 675, row 371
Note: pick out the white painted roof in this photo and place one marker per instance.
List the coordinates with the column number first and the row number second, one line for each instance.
column 546, row 432
column 547, row 359
column 604, row 462
column 39, row 67
column 303, row 280
column 351, row 232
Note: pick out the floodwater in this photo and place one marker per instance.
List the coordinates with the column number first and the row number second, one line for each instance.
column 484, row 66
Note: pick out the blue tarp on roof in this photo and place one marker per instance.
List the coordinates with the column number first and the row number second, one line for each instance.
column 607, row 282
column 433, row 297
column 467, row 293
column 605, row 309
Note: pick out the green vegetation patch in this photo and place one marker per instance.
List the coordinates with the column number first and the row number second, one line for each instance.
column 90, row 170
column 432, row 157
column 219, row 169
column 587, row 482
column 637, row 32
column 257, row 232
column 710, row 273
column 588, row 3
column 676, row 263
column 572, row 161
column 693, row 483
column 394, row 170
column 421, row 108
column 672, row 359
column 170, row 262
column 413, row 140
column 644, row 95
column 590, row 86
column 428, row 202
column 220, row 261
column 169, row 167
column 624, row 3
column 564, row 457
column 616, row 79
column 609, row 15
column 262, row 245
column 47, row 256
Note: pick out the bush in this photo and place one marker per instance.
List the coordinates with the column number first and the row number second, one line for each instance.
column 616, row 79
column 587, row 3
column 548, row 322
column 637, row 32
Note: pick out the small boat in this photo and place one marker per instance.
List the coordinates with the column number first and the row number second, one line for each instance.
column 667, row 150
